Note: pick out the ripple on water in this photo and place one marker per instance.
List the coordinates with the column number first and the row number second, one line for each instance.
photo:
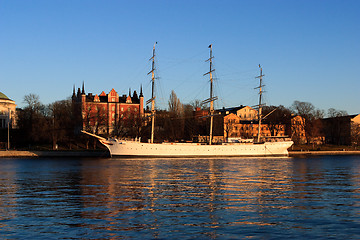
column 180, row 198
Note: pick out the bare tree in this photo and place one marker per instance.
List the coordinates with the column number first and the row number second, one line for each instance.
column 100, row 119
column 189, row 122
column 332, row 112
column 94, row 119
column 175, row 105
column 303, row 109
column 313, row 127
column 197, row 104
column 33, row 103
column 176, row 124
column 62, row 123
column 33, row 121
column 276, row 118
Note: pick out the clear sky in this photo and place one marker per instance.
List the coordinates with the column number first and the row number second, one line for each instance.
column 309, row 49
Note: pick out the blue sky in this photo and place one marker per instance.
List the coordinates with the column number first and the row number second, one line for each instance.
column 309, row 50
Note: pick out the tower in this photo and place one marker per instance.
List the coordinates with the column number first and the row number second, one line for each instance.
column 141, row 102
column 83, row 95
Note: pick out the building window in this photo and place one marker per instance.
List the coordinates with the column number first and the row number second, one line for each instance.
column 129, row 109
column 122, row 109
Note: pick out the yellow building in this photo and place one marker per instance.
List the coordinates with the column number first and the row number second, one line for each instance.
column 244, row 124
column 355, row 130
column 298, row 130
column 7, row 111
column 247, row 114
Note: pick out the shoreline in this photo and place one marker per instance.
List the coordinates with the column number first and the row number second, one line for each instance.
column 15, row 153
column 322, row 153
column 105, row 154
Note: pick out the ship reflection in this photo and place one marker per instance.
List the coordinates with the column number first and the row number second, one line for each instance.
column 155, row 193
column 163, row 191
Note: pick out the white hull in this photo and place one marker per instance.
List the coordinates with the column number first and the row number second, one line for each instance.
column 136, row 149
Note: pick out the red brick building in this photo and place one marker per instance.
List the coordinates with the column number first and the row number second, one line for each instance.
column 108, row 114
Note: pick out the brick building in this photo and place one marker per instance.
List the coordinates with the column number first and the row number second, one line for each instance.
column 108, row 114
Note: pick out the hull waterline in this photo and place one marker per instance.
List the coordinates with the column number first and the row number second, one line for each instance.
column 138, row 149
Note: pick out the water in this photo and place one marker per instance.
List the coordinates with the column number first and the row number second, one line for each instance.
column 256, row 198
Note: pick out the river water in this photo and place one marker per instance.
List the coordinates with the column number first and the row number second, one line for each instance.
column 256, row 198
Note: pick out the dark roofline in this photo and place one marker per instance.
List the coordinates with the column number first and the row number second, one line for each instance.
column 347, row 116
column 230, row 108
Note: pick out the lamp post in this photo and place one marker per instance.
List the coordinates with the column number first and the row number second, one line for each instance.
column 8, row 140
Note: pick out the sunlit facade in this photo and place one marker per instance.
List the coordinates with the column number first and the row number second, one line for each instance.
column 242, row 122
column 355, row 130
column 298, row 130
column 236, row 127
column 7, row 112
column 101, row 113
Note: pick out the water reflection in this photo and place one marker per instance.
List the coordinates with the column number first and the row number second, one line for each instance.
column 181, row 198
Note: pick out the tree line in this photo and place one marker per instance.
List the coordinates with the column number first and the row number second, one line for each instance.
column 312, row 123
column 57, row 124
column 44, row 125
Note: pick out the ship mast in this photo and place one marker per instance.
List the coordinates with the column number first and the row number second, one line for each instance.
column 260, row 104
column 211, row 99
column 152, row 100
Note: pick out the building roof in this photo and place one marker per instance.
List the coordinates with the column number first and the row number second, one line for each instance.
column 3, row 96
column 230, row 110
column 341, row 117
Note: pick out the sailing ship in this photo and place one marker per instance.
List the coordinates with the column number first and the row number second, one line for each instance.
column 131, row 148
